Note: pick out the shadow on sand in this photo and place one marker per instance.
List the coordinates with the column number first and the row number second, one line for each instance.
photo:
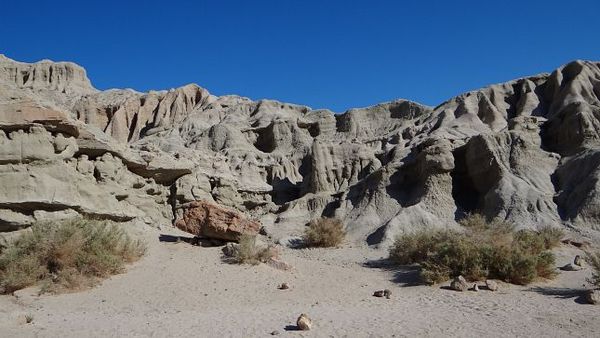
column 563, row 293
column 405, row 275
column 203, row 242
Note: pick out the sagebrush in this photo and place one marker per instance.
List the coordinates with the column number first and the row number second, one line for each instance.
column 483, row 250
column 593, row 259
column 249, row 252
column 66, row 255
column 324, row 232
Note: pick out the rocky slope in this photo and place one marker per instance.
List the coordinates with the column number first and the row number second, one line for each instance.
column 526, row 151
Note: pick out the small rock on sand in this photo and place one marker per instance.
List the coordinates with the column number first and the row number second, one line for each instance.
column 283, row 286
column 304, row 323
column 231, row 249
column 383, row 293
column 278, row 264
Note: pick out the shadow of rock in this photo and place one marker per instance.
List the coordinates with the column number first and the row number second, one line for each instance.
column 562, row 293
column 203, row 242
column 292, row 328
column 292, row 242
column 405, row 275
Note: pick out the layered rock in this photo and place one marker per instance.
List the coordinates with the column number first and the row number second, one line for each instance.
column 63, row 77
column 127, row 116
column 51, row 167
column 525, row 151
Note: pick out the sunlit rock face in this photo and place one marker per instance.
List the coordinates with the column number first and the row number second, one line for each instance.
column 526, row 151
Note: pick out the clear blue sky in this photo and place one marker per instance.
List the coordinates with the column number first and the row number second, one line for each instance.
column 325, row 54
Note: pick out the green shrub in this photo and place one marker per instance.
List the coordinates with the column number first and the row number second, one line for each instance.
column 324, row 232
column 250, row 253
column 529, row 241
column 416, row 247
column 484, row 250
column 545, row 265
column 68, row 254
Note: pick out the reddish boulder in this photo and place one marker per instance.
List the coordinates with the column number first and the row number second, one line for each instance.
column 206, row 219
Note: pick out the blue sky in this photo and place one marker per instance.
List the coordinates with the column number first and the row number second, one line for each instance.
column 325, row 54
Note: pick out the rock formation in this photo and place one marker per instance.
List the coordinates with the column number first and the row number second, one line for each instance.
column 205, row 219
column 526, row 151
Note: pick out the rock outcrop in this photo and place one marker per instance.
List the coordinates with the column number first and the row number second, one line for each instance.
column 526, row 151
column 205, row 219
column 45, row 172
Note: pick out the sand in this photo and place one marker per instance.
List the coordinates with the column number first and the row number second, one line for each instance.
column 182, row 290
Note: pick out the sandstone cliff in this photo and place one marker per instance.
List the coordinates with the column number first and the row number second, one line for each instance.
column 526, row 151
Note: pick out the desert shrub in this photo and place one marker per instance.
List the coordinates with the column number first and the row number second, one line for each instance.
column 529, row 241
column 324, row 232
column 3, row 244
column 474, row 222
column 415, row 247
column 551, row 235
column 483, row 250
column 249, row 252
column 593, row 259
column 67, row 254
column 545, row 265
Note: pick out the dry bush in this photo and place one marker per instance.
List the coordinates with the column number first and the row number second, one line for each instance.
column 66, row 255
column 29, row 318
column 484, row 250
column 324, row 232
column 3, row 244
column 551, row 235
column 250, row 253
column 593, row 259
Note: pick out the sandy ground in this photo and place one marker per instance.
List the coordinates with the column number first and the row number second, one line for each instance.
column 182, row 290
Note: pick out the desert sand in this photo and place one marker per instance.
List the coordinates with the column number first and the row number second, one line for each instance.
column 179, row 289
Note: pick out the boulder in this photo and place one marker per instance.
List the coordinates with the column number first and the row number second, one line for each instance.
column 206, row 219
column 491, row 285
column 592, row 296
column 459, row 284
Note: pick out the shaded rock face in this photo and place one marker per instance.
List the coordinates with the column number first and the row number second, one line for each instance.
column 205, row 219
column 525, row 151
